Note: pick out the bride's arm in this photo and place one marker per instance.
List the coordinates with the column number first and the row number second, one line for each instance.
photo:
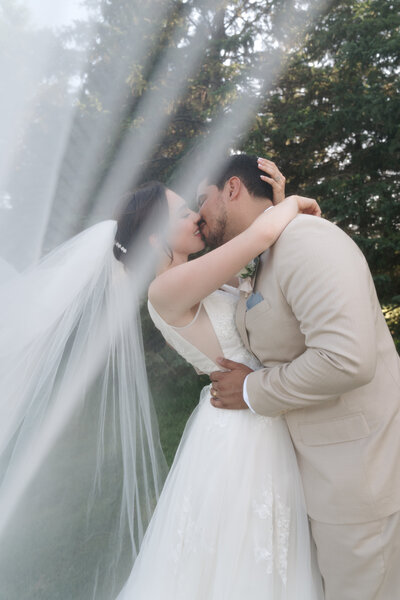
column 177, row 290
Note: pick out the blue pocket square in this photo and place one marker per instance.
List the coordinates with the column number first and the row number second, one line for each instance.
column 254, row 299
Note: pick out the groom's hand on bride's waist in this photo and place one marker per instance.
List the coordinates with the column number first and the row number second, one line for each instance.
column 227, row 386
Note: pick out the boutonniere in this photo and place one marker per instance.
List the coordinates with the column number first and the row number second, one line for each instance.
column 246, row 275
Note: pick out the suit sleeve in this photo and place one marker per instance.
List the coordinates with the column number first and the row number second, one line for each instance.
column 327, row 284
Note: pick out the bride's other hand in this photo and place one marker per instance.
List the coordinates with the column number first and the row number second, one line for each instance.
column 274, row 177
column 307, row 206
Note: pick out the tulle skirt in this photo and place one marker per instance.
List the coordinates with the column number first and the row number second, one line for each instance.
column 231, row 520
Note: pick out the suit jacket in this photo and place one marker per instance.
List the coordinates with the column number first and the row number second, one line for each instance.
column 331, row 367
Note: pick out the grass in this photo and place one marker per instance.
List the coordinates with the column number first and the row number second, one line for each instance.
column 175, row 389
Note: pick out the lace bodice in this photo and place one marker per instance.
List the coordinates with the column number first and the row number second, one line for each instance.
column 220, row 307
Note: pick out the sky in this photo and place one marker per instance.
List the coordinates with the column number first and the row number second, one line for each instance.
column 54, row 13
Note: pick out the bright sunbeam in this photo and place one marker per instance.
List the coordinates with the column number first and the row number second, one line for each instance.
column 55, row 13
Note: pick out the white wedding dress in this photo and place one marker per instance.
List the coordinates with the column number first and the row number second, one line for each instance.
column 230, row 522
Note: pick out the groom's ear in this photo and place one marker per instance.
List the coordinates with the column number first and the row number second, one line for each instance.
column 234, row 185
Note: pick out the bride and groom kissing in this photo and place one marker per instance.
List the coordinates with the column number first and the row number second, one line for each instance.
column 311, row 355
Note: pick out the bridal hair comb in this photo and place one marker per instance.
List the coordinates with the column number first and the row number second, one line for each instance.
column 120, row 247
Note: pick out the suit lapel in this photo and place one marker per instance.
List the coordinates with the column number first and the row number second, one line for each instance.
column 241, row 320
column 242, row 309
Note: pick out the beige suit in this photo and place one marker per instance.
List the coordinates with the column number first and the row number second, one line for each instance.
column 331, row 367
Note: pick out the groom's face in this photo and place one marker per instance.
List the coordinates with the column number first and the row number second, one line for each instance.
column 213, row 214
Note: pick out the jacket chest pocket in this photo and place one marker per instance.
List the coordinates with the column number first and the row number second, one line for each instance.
column 257, row 311
column 274, row 334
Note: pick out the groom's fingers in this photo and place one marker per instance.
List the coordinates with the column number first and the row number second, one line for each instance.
column 235, row 404
column 227, row 386
column 216, row 403
column 231, row 378
column 228, row 364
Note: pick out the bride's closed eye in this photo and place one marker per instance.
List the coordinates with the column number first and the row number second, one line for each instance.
column 183, row 212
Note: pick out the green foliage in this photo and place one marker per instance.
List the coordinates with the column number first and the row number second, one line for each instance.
column 392, row 316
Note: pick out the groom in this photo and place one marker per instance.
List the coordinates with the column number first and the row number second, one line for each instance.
column 331, row 368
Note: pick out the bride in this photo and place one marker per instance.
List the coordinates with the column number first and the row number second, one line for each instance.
column 231, row 521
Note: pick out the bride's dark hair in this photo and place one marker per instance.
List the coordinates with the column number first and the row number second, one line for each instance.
column 147, row 204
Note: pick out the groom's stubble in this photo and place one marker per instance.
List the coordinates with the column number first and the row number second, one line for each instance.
column 216, row 224
column 221, row 229
column 215, row 234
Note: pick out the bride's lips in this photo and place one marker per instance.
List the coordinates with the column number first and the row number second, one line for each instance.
column 202, row 225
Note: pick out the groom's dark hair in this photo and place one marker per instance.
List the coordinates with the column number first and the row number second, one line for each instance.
column 246, row 168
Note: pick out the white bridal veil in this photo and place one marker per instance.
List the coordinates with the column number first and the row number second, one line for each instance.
column 81, row 465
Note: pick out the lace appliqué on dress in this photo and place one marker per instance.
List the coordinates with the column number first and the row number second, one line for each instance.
column 273, row 546
column 221, row 309
column 190, row 536
column 264, row 422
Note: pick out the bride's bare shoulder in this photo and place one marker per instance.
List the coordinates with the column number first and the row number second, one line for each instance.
column 172, row 315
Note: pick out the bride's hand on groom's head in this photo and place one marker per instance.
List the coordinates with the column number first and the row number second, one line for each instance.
column 274, row 177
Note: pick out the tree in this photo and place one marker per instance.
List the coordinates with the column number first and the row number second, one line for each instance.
column 332, row 124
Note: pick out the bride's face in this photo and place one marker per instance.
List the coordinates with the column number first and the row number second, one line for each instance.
column 185, row 236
